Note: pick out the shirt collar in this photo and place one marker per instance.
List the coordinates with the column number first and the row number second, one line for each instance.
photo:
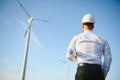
column 88, row 31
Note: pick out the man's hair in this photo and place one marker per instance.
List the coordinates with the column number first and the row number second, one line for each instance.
column 89, row 24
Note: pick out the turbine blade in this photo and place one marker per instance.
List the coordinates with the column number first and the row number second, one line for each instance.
column 41, row 20
column 26, row 32
column 24, row 9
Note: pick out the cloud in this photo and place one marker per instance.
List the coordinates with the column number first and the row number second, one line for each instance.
column 33, row 36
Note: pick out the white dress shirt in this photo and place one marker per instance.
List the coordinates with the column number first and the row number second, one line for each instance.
column 88, row 47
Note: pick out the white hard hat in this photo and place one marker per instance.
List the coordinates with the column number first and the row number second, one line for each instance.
column 88, row 18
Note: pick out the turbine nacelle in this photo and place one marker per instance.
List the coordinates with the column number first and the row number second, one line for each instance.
column 30, row 20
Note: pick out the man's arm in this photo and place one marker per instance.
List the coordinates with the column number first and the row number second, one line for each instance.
column 107, row 59
column 71, row 51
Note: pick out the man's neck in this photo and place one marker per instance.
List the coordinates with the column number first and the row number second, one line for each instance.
column 87, row 30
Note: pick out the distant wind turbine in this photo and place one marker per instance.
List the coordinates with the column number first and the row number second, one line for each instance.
column 27, row 34
column 66, row 68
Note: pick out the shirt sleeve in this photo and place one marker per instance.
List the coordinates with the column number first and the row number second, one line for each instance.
column 71, row 51
column 107, row 58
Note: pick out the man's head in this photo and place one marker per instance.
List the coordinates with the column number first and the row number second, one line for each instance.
column 88, row 22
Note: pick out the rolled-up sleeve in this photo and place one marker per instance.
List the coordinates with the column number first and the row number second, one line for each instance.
column 107, row 58
column 71, row 52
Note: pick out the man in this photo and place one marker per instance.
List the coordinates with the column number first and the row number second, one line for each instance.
column 86, row 49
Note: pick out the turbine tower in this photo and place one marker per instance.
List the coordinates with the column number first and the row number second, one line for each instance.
column 66, row 68
column 27, row 34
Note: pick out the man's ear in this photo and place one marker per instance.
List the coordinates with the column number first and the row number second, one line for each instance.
column 82, row 28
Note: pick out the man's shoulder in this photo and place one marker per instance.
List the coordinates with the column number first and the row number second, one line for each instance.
column 78, row 35
column 90, row 35
column 100, row 38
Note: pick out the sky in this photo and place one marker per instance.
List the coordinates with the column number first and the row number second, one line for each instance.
column 49, row 41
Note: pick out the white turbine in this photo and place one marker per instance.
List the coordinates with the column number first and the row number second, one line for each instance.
column 66, row 68
column 27, row 34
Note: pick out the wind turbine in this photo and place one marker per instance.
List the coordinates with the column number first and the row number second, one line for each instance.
column 66, row 68
column 27, row 34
